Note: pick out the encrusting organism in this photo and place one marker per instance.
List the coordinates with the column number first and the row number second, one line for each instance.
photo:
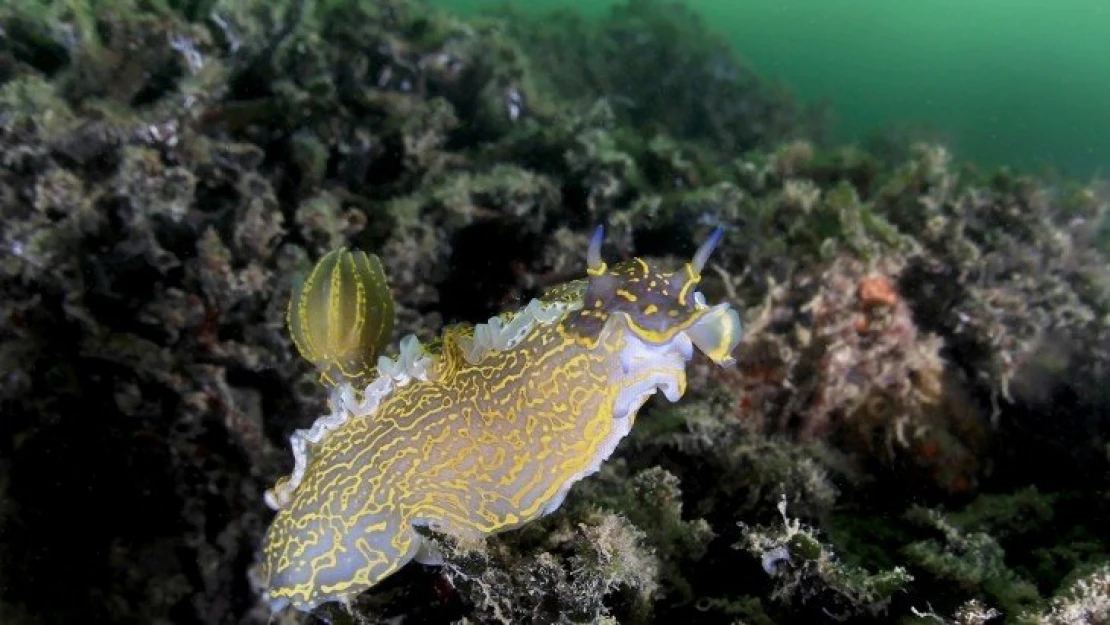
column 481, row 431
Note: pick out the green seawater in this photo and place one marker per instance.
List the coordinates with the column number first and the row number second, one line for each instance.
column 1021, row 83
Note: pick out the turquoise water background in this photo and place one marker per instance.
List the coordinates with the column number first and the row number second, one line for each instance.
column 1024, row 83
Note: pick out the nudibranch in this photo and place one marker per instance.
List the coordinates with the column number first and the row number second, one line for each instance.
column 482, row 431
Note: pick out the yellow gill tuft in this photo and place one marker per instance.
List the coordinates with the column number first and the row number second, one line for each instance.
column 341, row 315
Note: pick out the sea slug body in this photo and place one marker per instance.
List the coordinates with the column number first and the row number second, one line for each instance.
column 481, row 432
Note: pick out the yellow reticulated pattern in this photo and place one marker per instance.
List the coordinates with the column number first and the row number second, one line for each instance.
column 482, row 449
column 484, row 433
column 341, row 316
